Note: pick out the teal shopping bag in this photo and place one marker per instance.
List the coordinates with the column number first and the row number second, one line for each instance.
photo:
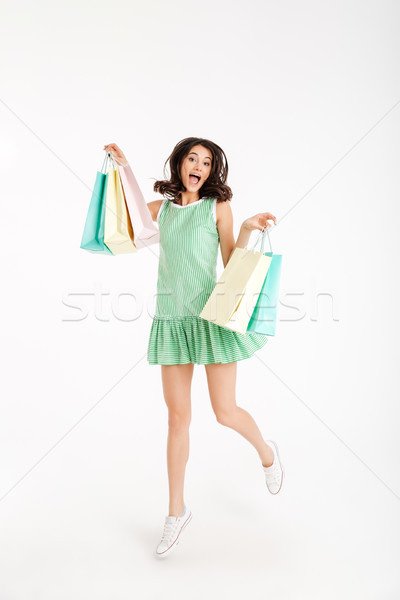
column 93, row 233
column 263, row 318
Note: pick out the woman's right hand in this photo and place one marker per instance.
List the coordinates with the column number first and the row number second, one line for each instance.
column 117, row 154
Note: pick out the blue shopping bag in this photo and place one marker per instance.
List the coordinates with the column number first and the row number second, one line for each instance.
column 263, row 318
column 93, row 233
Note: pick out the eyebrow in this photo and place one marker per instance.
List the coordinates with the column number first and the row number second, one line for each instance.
column 197, row 155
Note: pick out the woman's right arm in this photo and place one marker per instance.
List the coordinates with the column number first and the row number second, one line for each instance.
column 121, row 159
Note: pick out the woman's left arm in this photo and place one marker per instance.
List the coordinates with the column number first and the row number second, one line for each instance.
column 225, row 229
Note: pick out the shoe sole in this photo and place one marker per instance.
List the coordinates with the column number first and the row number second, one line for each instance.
column 176, row 542
column 281, row 466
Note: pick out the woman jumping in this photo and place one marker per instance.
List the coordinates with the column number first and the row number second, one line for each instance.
column 195, row 218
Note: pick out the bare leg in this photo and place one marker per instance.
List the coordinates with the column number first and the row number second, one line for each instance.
column 176, row 381
column 221, row 380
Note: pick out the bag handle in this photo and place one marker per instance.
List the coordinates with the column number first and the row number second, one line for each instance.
column 104, row 168
column 108, row 159
column 262, row 233
column 113, row 162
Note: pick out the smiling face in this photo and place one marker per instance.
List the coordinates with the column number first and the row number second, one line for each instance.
column 197, row 162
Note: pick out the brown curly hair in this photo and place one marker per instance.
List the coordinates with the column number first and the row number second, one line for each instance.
column 215, row 184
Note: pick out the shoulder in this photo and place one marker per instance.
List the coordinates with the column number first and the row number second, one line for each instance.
column 223, row 212
column 154, row 207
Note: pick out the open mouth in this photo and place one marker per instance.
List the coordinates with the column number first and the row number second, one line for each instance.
column 194, row 179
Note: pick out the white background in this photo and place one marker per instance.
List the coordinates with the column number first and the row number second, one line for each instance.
column 304, row 98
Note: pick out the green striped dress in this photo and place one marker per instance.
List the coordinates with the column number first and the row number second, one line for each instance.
column 189, row 242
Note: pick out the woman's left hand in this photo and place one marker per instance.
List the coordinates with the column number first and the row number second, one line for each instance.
column 259, row 221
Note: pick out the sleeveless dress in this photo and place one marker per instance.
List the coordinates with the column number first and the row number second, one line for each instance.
column 189, row 242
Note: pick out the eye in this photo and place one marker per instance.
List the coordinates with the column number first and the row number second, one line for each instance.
column 208, row 164
column 191, row 158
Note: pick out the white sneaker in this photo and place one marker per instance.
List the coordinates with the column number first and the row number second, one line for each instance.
column 173, row 528
column 274, row 473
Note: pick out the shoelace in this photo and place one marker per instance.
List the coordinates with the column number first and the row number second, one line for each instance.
column 274, row 475
column 169, row 530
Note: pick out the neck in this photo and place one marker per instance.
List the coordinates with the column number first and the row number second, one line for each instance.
column 188, row 197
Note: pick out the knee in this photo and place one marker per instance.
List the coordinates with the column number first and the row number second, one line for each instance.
column 178, row 422
column 225, row 417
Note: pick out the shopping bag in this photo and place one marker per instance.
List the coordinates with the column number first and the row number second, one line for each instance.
column 93, row 233
column 263, row 319
column 144, row 230
column 118, row 233
column 234, row 297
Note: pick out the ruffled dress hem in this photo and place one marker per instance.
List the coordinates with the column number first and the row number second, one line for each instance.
column 192, row 339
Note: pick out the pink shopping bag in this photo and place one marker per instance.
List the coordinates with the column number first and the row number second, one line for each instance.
column 145, row 232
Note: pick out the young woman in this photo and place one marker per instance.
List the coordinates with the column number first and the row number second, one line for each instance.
column 195, row 218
